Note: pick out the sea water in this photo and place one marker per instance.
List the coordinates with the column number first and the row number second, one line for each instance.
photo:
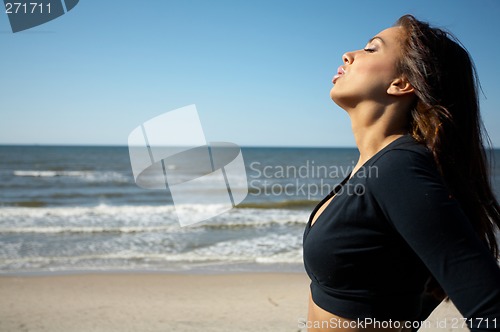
column 77, row 208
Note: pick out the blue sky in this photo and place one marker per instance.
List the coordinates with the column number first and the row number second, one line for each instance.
column 258, row 71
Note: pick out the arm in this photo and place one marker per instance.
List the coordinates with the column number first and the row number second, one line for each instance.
column 414, row 200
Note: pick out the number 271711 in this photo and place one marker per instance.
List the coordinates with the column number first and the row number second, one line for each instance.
column 27, row 8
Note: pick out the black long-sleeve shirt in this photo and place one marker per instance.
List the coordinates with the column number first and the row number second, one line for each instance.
column 387, row 228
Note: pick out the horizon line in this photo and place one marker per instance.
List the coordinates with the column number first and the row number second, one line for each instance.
column 126, row 146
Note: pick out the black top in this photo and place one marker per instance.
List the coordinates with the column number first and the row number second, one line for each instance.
column 372, row 248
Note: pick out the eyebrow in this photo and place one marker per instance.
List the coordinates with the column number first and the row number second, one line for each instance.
column 379, row 38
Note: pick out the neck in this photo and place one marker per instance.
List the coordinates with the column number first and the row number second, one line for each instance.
column 373, row 133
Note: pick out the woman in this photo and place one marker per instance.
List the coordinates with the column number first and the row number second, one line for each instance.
column 422, row 217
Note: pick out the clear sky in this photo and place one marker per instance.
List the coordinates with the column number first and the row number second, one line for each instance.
column 258, row 71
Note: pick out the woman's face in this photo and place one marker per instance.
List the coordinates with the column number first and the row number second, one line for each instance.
column 367, row 74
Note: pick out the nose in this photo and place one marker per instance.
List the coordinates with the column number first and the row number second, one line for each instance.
column 348, row 58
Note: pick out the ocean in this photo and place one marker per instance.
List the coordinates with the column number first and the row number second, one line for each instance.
column 66, row 209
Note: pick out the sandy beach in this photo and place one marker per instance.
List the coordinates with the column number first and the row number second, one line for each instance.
column 153, row 302
column 162, row 302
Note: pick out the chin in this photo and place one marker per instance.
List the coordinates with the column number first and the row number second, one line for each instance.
column 338, row 99
column 333, row 95
column 332, row 92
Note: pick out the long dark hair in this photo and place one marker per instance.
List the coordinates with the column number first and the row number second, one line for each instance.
column 446, row 118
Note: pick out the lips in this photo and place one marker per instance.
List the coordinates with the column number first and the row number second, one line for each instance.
column 340, row 72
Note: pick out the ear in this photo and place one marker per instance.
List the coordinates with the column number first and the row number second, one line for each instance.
column 400, row 87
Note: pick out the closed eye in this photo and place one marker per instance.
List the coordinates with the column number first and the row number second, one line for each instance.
column 369, row 50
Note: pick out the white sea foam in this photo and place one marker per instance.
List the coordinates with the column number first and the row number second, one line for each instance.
column 270, row 249
column 130, row 218
column 69, row 230
column 144, row 237
column 91, row 176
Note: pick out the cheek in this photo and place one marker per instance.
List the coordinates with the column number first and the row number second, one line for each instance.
column 379, row 71
column 375, row 78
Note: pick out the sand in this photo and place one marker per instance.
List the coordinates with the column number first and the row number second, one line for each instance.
column 162, row 302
